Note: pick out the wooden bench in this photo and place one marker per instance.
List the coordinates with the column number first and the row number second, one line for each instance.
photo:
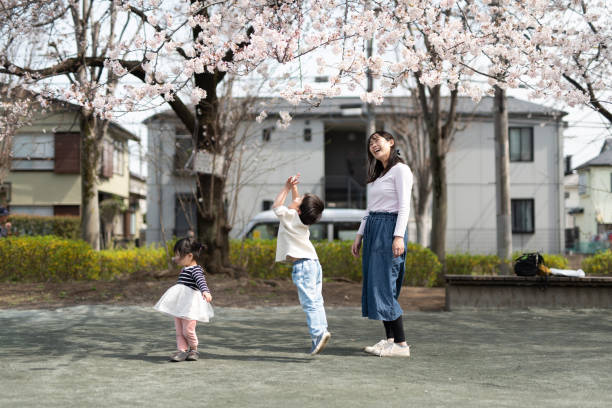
column 517, row 292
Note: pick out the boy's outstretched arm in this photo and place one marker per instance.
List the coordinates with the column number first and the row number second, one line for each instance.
column 282, row 195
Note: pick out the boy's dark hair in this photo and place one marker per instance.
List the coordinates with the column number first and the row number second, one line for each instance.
column 311, row 209
column 186, row 246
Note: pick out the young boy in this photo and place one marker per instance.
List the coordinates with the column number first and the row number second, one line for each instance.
column 293, row 245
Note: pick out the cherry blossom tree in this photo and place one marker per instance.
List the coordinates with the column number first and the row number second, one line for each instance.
column 58, row 38
column 182, row 51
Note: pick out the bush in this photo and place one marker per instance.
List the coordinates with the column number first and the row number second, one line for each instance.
column 257, row 258
column 47, row 258
column 31, row 225
column 555, row 261
column 115, row 263
column 598, row 264
column 50, row 258
column 422, row 266
column 468, row 264
column 337, row 260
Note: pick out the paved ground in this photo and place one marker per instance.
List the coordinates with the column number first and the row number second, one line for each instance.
column 93, row 356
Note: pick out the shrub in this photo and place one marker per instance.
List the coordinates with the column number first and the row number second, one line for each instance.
column 555, row 261
column 115, row 263
column 422, row 266
column 65, row 227
column 257, row 258
column 49, row 258
column 598, row 264
column 468, row 264
column 337, row 260
column 45, row 258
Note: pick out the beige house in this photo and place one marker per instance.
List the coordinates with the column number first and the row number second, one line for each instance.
column 593, row 215
column 45, row 178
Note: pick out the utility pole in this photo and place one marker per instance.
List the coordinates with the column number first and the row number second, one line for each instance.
column 502, row 180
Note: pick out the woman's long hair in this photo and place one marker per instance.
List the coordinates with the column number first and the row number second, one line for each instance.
column 375, row 167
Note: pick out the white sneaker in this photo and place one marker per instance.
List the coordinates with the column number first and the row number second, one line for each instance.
column 393, row 350
column 375, row 349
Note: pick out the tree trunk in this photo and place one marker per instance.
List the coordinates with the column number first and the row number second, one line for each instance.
column 439, row 198
column 502, row 181
column 212, row 224
column 90, row 153
column 420, row 212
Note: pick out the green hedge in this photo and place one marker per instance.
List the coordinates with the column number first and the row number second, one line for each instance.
column 31, row 225
column 468, row 264
column 598, row 264
column 49, row 258
column 257, row 257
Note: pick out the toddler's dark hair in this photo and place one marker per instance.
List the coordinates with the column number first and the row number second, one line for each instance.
column 186, row 246
column 311, row 209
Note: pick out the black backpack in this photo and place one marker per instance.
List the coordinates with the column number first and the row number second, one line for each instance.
column 528, row 264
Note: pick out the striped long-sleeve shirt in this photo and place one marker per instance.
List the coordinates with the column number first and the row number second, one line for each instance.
column 193, row 276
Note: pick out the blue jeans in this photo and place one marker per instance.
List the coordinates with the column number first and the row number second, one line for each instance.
column 308, row 278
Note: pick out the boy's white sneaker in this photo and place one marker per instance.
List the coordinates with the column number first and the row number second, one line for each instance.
column 394, row 350
column 319, row 343
column 375, row 349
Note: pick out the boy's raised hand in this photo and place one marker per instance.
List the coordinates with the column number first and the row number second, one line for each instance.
column 292, row 181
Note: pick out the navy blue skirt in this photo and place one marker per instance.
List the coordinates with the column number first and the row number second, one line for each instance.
column 382, row 273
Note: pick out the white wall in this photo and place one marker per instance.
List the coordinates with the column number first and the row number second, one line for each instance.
column 596, row 201
column 471, row 190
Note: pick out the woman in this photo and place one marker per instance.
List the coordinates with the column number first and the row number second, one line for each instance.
column 384, row 247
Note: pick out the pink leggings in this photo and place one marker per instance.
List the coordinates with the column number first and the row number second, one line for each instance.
column 185, row 334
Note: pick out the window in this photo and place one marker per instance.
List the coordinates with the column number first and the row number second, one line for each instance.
column 266, row 205
column 318, row 231
column 521, row 144
column 307, row 134
column 118, row 157
column 346, row 231
column 583, row 182
column 67, row 153
column 32, row 210
column 5, row 194
column 33, row 152
column 182, row 153
column 185, row 215
column 266, row 230
column 266, row 134
column 106, row 160
column 67, row 210
column 523, row 216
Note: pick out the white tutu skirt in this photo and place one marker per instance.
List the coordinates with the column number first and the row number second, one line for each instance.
column 186, row 303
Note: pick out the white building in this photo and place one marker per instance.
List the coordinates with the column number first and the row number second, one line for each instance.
column 327, row 146
column 594, row 211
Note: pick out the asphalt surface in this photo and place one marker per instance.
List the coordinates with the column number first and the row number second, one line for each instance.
column 112, row 356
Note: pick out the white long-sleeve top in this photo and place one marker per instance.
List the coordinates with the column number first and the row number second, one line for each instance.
column 391, row 193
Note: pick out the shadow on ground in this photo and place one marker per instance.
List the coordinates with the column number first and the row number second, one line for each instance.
column 87, row 356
